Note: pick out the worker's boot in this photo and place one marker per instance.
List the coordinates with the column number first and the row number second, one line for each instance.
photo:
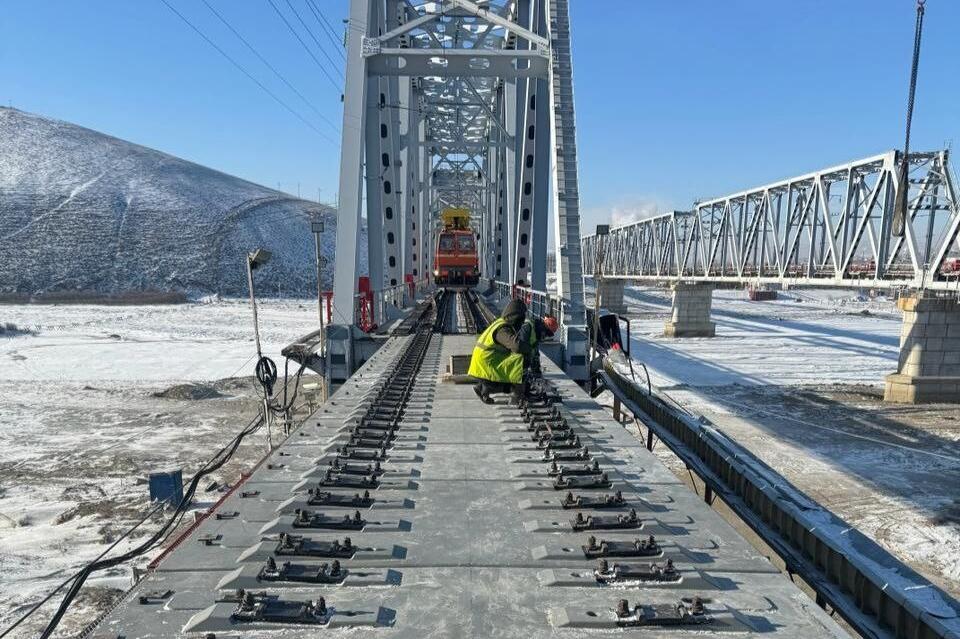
column 481, row 391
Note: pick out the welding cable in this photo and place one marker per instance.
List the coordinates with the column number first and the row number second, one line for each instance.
column 216, row 462
column 266, row 372
column 283, row 408
column 50, row 595
column 599, row 386
column 647, row 372
column 222, row 456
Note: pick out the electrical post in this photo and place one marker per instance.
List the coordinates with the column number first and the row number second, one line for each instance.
column 603, row 231
column 317, row 228
column 254, row 260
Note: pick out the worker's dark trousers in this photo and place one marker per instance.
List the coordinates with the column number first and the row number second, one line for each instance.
column 488, row 388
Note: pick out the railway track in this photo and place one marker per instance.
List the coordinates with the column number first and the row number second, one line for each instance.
column 461, row 311
column 406, row 508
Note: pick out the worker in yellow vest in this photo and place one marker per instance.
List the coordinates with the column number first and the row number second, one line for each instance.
column 505, row 350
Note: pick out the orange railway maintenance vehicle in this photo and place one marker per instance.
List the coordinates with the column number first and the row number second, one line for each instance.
column 455, row 260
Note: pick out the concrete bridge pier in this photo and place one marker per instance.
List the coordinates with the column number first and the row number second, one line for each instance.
column 611, row 295
column 691, row 311
column 929, row 367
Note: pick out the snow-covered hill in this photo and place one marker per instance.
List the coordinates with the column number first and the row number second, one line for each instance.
column 83, row 211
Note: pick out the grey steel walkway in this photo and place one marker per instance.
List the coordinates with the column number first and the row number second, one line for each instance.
column 466, row 536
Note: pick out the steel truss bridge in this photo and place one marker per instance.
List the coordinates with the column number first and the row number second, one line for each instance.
column 405, row 507
column 827, row 228
column 459, row 104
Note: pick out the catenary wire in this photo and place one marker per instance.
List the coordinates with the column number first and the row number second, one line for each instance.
column 304, row 45
column 266, row 63
column 335, row 65
column 243, row 70
column 326, row 27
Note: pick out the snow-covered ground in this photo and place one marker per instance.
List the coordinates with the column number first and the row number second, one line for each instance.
column 80, row 427
column 164, row 343
column 805, row 337
column 798, row 381
column 83, row 212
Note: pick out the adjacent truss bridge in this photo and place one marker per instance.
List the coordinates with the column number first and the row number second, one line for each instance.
column 827, row 228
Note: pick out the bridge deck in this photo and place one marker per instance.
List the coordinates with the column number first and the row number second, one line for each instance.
column 466, row 536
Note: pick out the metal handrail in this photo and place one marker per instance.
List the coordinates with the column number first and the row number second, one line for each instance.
column 539, row 303
column 370, row 309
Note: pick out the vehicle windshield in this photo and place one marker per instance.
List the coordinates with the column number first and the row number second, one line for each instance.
column 465, row 243
column 446, row 242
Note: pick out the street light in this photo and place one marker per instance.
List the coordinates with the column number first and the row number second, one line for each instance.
column 603, row 230
column 317, row 228
column 255, row 260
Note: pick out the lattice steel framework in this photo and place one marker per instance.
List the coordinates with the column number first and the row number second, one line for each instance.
column 829, row 228
column 459, row 103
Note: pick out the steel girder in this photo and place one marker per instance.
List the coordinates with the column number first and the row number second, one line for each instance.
column 346, row 266
column 459, row 103
column 828, row 228
column 566, row 180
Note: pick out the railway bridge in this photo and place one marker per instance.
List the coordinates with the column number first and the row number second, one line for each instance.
column 404, row 507
column 460, row 104
column 829, row 228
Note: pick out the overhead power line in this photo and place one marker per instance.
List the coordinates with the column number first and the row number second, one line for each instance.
column 326, row 27
column 304, row 45
column 335, row 65
column 269, row 66
column 240, row 68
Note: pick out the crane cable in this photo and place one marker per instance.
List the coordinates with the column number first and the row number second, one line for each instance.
column 900, row 208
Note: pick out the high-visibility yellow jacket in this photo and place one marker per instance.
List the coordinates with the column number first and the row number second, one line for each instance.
column 493, row 362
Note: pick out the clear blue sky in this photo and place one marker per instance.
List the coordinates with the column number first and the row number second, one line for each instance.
column 675, row 100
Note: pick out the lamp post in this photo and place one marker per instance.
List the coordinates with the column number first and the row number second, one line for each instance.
column 255, row 260
column 317, row 228
column 603, row 230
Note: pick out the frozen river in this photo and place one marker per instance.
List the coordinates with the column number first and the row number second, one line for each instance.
column 80, row 428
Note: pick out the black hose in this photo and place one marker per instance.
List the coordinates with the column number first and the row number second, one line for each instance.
column 287, row 405
column 266, row 372
column 649, row 385
column 216, row 462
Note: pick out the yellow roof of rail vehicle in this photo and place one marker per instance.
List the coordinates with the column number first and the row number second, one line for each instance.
column 456, row 218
